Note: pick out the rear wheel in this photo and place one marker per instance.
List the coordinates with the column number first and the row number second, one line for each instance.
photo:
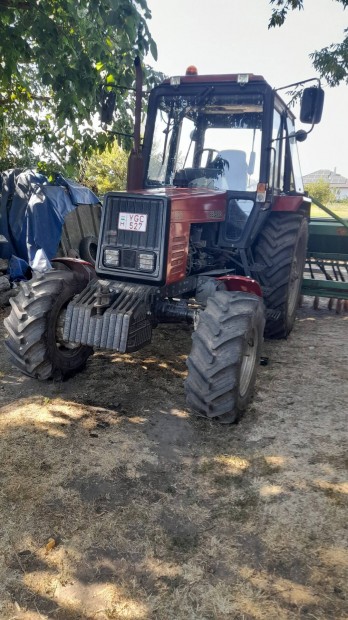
column 281, row 251
column 225, row 354
column 35, row 327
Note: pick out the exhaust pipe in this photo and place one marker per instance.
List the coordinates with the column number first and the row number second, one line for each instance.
column 135, row 161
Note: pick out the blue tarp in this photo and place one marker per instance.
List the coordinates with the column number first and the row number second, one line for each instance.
column 32, row 212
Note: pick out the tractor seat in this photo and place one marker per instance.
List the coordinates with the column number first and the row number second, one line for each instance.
column 236, row 172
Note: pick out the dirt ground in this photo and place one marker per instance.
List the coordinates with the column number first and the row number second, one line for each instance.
column 156, row 514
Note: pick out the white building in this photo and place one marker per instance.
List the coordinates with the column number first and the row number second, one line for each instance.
column 338, row 183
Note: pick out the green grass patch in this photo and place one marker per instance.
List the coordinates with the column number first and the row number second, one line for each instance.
column 340, row 209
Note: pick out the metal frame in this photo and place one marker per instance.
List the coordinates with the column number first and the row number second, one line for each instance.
column 327, row 256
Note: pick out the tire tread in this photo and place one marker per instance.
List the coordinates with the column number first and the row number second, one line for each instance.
column 212, row 384
column 27, row 324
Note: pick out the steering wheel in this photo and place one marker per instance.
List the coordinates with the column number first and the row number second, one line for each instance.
column 210, row 155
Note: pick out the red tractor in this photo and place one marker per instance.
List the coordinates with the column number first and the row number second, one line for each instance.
column 212, row 231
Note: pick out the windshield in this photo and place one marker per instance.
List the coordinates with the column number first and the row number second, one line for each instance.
column 208, row 139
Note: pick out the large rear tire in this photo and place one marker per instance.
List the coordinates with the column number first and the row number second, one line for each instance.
column 281, row 251
column 35, row 327
column 225, row 354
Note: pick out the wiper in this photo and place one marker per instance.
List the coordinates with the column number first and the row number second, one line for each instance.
column 205, row 97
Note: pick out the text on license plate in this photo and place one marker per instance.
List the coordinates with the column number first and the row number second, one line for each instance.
column 132, row 221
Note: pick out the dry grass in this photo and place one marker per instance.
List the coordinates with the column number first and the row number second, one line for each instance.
column 158, row 515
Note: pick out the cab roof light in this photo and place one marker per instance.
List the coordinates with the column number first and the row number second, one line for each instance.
column 243, row 78
column 175, row 80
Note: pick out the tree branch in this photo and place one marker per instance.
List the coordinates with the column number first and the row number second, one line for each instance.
column 29, row 96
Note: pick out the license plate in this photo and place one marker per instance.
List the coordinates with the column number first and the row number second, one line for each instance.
column 136, row 222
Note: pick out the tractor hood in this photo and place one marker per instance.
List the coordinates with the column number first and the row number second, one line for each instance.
column 194, row 204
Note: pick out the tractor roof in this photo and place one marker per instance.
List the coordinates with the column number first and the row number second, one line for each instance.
column 241, row 78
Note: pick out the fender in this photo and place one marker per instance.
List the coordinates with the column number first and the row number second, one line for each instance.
column 291, row 203
column 76, row 264
column 241, row 283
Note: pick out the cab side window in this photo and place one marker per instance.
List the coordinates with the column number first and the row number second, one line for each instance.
column 294, row 180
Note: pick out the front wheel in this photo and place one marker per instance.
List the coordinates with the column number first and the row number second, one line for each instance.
column 35, row 327
column 225, row 354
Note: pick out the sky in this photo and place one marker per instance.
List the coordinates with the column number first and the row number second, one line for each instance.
column 232, row 36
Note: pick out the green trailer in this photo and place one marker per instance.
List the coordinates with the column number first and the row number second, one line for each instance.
column 326, row 272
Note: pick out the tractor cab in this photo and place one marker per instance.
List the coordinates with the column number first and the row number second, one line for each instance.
column 208, row 140
column 229, row 132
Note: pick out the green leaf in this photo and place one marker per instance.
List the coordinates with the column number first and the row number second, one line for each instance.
column 331, row 62
column 153, row 49
column 54, row 59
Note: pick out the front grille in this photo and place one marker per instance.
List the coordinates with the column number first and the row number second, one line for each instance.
column 152, row 207
column 129, row 242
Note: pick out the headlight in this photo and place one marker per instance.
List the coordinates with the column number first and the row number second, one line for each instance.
column 146, row 261
column 112, row 258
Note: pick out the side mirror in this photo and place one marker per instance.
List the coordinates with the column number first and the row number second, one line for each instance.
column 312, row 104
